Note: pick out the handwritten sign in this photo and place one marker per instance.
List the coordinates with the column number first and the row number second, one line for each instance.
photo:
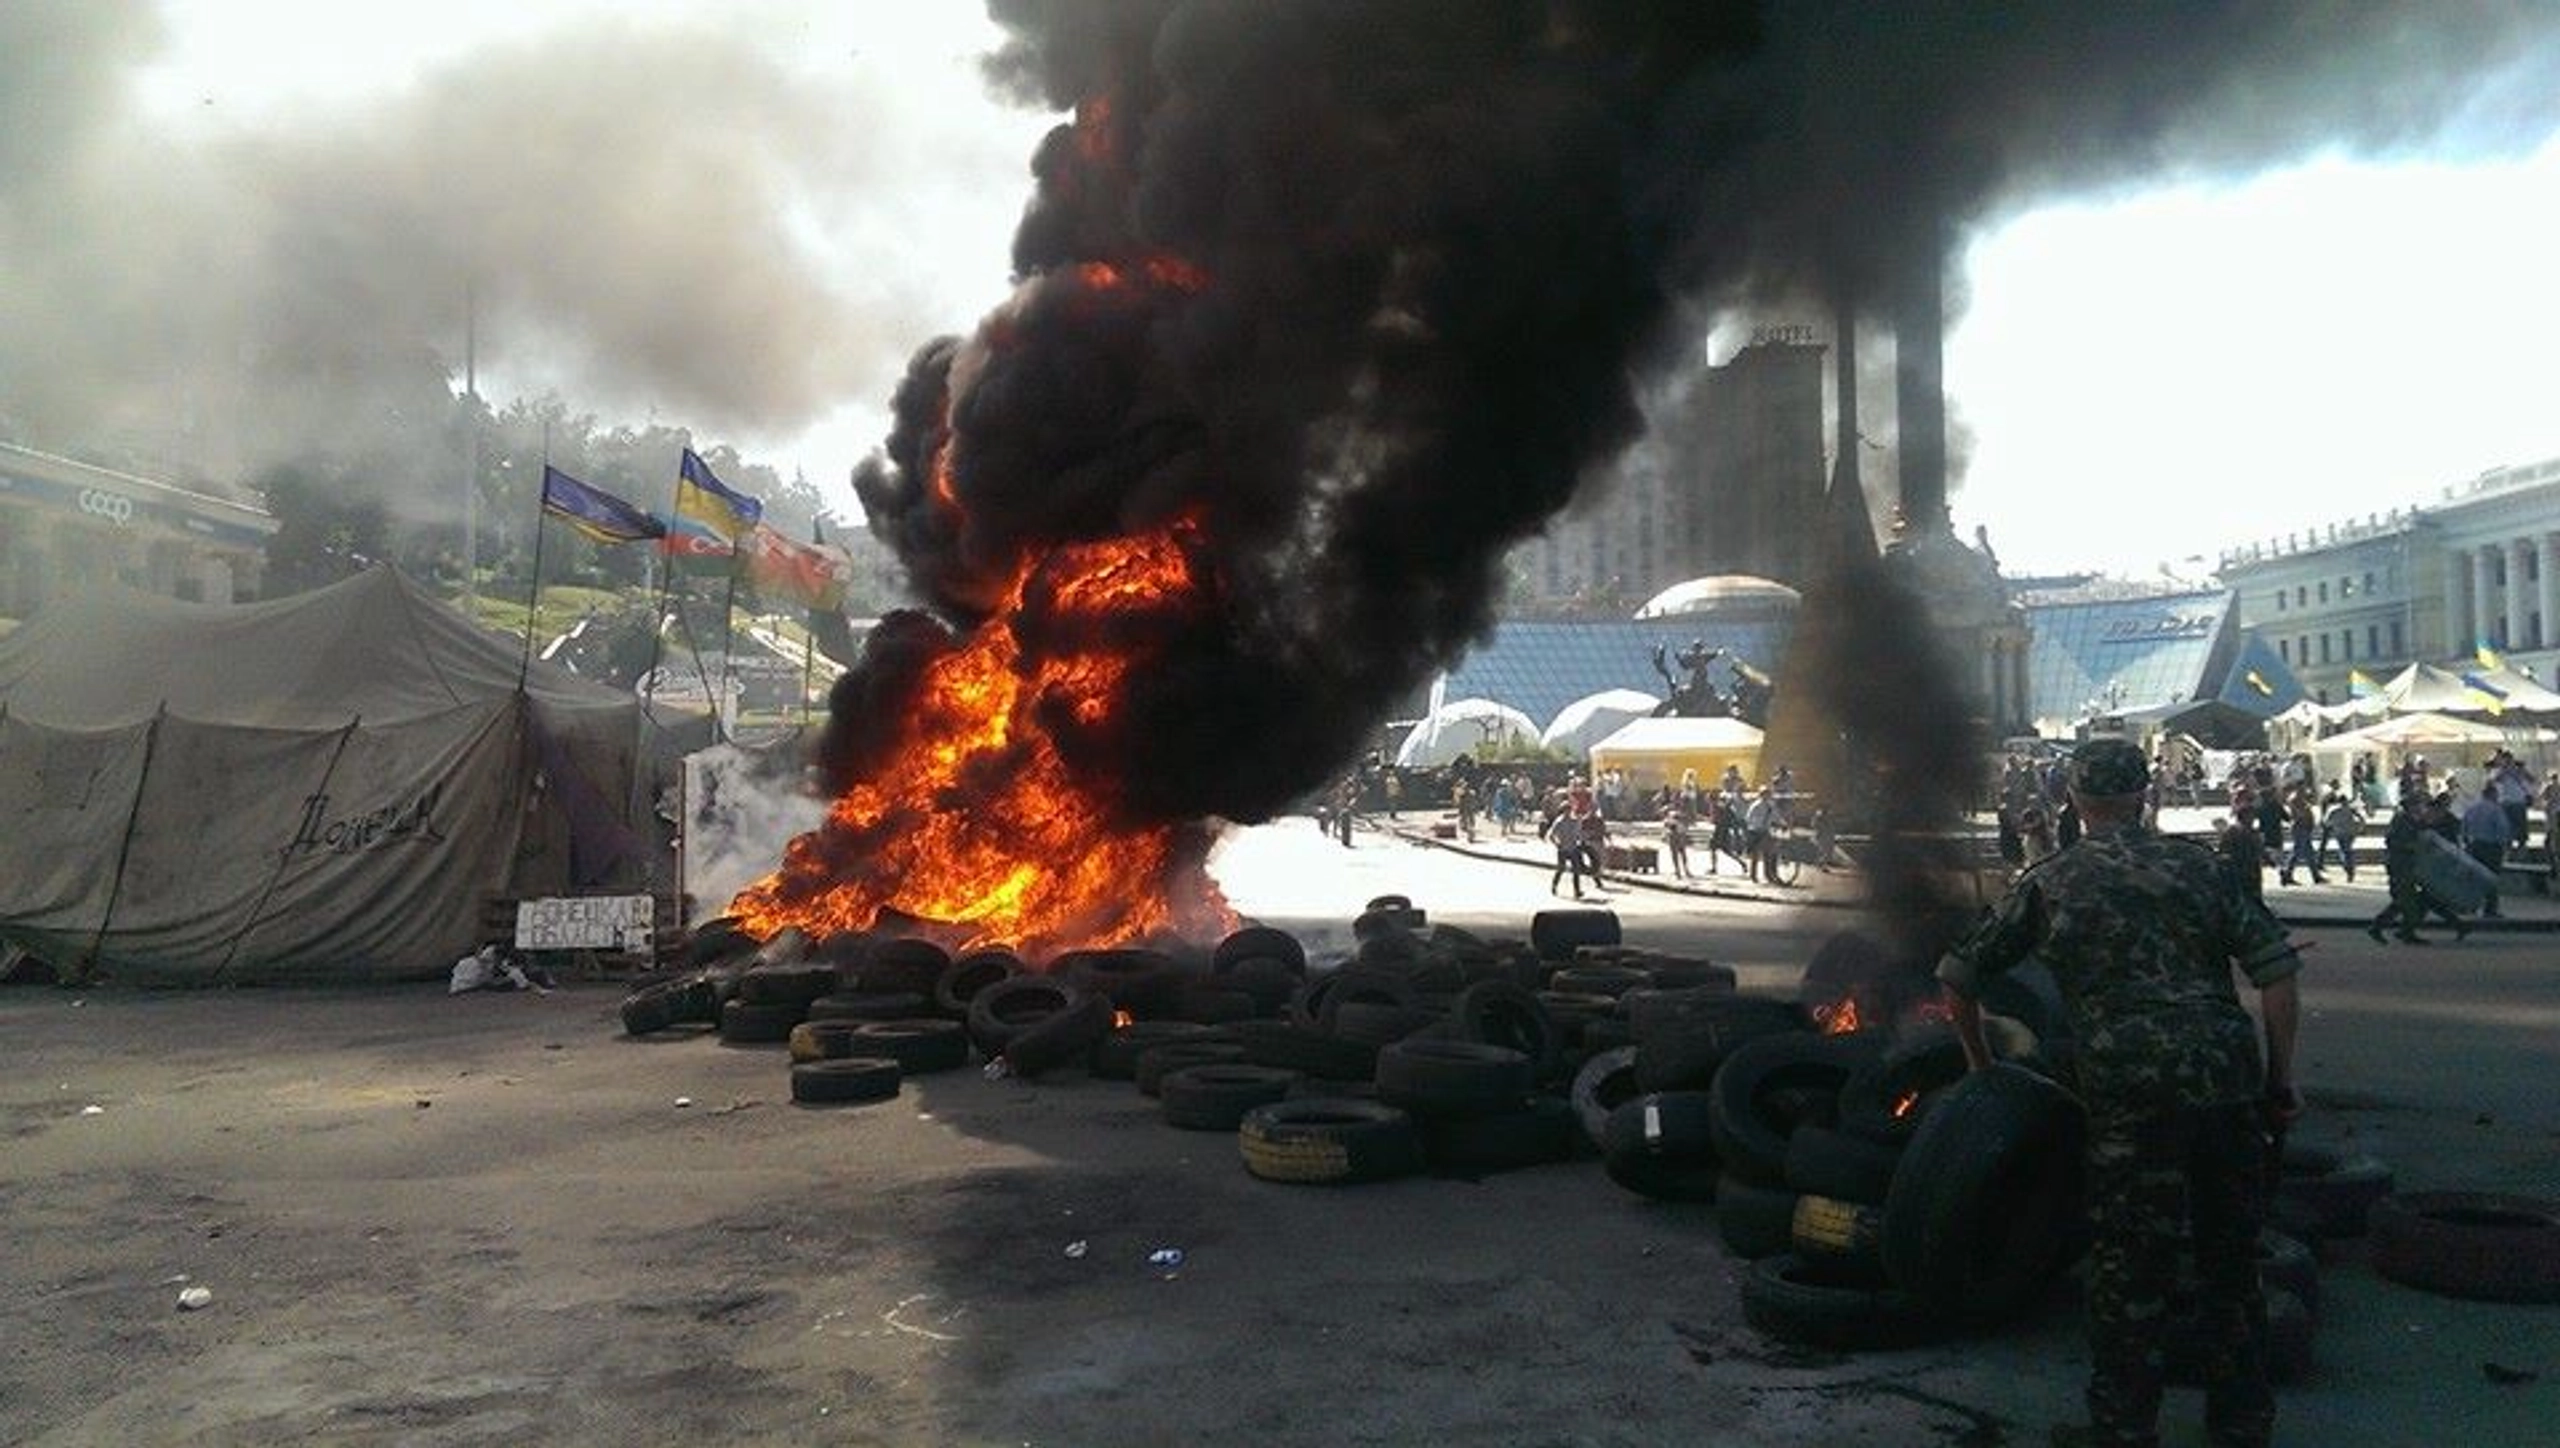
column 583, row 922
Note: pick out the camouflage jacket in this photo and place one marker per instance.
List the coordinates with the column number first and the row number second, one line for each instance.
column 2141, row 932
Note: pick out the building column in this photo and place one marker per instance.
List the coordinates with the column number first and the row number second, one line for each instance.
column 2457, row 605
column 2549, row 544
column 2519, row 610
column 2482, row 612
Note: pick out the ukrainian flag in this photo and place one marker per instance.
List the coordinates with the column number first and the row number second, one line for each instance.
column 593, row 511
column 706, row 500
column 2360, row 685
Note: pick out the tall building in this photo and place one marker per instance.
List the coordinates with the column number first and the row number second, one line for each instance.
column 1728, row 480
column 2478, row 566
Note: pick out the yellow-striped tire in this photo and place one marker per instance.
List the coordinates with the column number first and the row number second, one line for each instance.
column 1328, row 1139
column 1830, row 1227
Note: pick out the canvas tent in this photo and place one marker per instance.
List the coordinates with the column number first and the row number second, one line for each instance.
column 322, row 787
column 1653, row 752
column 2444, row 740
column 1464, row 726
column 1594, row 717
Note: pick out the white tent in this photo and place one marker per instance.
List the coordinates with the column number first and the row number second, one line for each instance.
column 1464, row 726
column 2426, row 689
column 1654, row 752
column 1594, row 717
column 2444, row 740
column 2519, row 693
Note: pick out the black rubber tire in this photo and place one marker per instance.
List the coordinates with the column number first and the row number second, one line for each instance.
column 1605, row 1034
column 717, row 938
column 1771, row 1086
column 1157, row 1062
column 1143, row 982
column 1820, row 1305
column 1000, row 1012
column 2325, row 1193
column 1841, row 1234
column 904, row 963
column 1835, row 1164
column 1755, row 1221
column 1660, row 1146
column 1985, row 1202
column 2487, row 1246
column 1575, row 1011
column 647, row 1011
column 920, row 1047
column 1302, row 1048
column 1258, row 942
column 2291, row 1326
column 1556, row 934
column 1887, row 1098
column 1454, row 1078
column 786, row 985
column 1540, row 1132
column 835, row 1083
column 1064, row 1037
column 969, row 974
column 1684, row 1054
column 886, row 1005
column 1372, row 924
column 1656, row 1009
column 1328, row 1140
column 1606, row 1082
column 1208, row 1000
column 1368, row 985
column 1389, row 902
column 1215, row 1097
column 1269, row 982
column 1376, row 1023
column 1115, row 1056
column 824, row 1041
column 1686, row 973
column 1506, row 1013
column 745, row 1023
column 1613, row 981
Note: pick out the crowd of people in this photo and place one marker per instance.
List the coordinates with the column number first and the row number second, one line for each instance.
column 1732, row 819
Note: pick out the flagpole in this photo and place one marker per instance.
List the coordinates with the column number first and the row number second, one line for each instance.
column 533, row 601
column 729, row 624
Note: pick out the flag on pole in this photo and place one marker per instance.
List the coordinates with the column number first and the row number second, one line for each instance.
column 691, row 538
column 593, row 511
column 2487, row 657
column 702, row 497
column 813, row 575
column 2360, row 685
column 2490, row 696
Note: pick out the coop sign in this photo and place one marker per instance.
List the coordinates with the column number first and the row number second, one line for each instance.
column 583, row 922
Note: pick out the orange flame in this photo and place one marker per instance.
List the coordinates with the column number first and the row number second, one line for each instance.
column 1903, row 1104
column 977, row 821
column 1838, row 1018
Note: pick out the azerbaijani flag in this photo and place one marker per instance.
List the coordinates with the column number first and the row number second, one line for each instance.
column 813, row 575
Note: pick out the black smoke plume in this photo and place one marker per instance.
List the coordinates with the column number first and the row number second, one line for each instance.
column 1432, row 245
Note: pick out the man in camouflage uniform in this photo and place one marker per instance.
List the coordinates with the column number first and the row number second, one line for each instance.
column 2141, row 933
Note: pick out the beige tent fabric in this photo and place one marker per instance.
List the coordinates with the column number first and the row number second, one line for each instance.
column 337, row 782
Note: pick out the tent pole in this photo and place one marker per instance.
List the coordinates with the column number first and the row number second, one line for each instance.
column 284, row 858
column 532, row 602
column 124, row 850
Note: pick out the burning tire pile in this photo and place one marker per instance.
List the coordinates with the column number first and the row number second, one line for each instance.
column 1880, row 1195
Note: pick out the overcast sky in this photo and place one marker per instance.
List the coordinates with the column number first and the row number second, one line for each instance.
column 2144, row 377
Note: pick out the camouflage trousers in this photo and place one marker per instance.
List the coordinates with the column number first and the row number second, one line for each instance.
column 2158, row 1184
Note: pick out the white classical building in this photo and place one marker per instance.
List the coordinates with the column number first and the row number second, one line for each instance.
column 2479, row 566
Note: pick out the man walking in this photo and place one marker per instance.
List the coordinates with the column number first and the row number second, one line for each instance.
column 2485, row 836
column 2142, row 932
column 2340, row 820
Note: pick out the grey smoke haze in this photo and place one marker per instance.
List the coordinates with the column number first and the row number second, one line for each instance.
column 656, row 219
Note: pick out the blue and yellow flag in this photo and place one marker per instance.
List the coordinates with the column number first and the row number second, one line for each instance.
column 708, row 501
column 2360, row 685
column 2489, row 695
column 2487, row 656
column 593, row 511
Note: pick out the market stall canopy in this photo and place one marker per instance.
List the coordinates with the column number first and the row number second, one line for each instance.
column 1594, row 717
column 2441, row 738
column 1653, row 752
column 2516, row 692
column 1465, row 726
